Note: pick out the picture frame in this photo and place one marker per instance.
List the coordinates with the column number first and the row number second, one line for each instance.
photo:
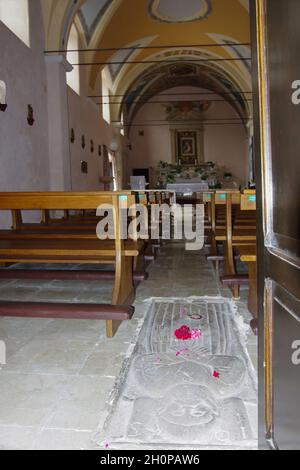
column 187, row 151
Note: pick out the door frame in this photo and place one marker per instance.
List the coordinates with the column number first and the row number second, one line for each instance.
column 271, row 260
column 262, row 152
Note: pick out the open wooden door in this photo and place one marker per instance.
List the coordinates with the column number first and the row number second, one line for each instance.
column 276, row 70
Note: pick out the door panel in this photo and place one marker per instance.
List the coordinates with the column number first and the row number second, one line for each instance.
column 286, row 369
column 283, row 42
column 277, row 120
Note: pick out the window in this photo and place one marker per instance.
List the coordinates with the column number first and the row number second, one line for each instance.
column 105, row 97
column 73, row 78
column 15, row 15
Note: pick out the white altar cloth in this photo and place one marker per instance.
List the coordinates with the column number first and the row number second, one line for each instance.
column 188, row 187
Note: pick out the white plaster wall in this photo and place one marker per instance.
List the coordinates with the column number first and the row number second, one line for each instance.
column 225, row 144
column 86, row 119
column 24, row 149
column 27, row 164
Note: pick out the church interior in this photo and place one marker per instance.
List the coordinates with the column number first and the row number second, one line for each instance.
column 141, row 343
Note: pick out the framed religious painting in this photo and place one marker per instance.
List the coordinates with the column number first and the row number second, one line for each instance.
column 187, row 151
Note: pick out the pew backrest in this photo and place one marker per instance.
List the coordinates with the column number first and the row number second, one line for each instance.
column 221, row 197
column 248, row 201
column 65, row 201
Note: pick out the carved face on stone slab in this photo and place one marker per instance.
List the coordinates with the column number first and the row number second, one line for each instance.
column 189, row 414
column 188, row 405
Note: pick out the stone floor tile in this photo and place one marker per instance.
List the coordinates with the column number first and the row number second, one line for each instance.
column 59, row 373
column 56, row 439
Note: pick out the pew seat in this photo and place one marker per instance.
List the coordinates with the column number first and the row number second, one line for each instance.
column 248, row 254
column 235, row 279
column 19, row 250
column 238, row 235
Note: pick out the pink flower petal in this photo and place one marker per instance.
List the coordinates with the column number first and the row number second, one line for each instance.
column 216, row 375
column 196, row 334
column 183, row 333
column 182, row 352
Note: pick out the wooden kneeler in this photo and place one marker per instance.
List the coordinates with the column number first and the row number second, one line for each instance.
column 65, row 310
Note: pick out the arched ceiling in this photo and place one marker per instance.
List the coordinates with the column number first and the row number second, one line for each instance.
column 159, row 79
column 211, row 35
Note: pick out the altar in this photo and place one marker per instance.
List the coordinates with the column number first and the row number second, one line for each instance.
column 188, row 187
column 187, row 181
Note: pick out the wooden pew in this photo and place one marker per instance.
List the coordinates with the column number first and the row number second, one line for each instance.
column 216, row 225
column 237, row 236
column 83, row 225
column 80, row 225
column 82, row 220
column 51, row 249
column 156, row 197
column 248, row 255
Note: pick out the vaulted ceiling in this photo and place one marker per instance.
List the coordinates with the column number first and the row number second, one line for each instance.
column 135, row 37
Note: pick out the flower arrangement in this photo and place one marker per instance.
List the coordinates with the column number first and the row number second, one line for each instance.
column 163, row 164
column 216, row 176
column 199, row 171
column 171, row 178
column 179, row 170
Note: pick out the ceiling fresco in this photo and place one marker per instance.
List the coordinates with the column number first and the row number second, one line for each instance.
column 130, row 51
column 206, row 77
column 132, row 21
column 186, row 110
column 235, row 49
column 116, row 63
column 90, row 14
column 179, row 11
column 205, row 41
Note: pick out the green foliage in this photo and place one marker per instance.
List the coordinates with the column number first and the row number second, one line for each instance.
column 171, row 178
